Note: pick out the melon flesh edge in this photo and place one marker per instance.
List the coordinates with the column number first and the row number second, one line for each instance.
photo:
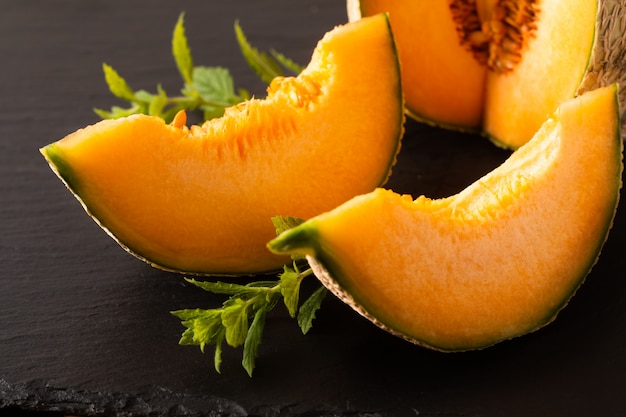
column 497, row 260
column 440, row 89
column 200, row 199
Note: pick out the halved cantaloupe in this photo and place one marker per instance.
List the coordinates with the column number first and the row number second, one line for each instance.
column 525, row 57
column 495, row 261
column 200, row 199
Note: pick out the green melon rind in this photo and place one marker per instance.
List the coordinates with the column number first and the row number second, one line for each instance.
column 400, row 95
column 54, row 156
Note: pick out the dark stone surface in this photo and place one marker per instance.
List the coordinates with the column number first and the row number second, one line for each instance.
column 85, row 328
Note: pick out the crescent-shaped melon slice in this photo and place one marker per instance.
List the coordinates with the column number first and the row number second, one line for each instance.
column 495, row 261
column 200, row 199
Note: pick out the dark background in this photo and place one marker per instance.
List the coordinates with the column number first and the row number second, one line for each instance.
column 85, row 328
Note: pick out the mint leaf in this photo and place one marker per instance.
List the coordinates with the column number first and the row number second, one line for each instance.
column 253, row 340
column 307, row 311
column 117, row 85
column 262, row 64
column 212, row 112
column 202, row 326
column 208, row 89
column 283, row 223
column 287, row 62
column 143, row 96
column 225, row 287
column 217, row 356
column 235, row 321
column 181, row 50
column 157, row 102
column 117, row 112
column 212, row 89
column 290, row 281
column 215, row 85
column 216, row 89
column 266, row 66
column 249, row 302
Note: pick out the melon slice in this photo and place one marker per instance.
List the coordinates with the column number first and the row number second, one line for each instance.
column 200, row 199
column 532, row 54
column 496, row 261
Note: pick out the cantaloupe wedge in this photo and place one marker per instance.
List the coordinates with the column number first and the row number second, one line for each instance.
column 200, row 199
column 499, row 259
column 517, row 59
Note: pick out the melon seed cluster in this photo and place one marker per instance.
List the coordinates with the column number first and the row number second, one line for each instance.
column 496, row 37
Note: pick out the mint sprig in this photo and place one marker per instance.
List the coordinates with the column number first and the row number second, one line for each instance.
column 181, row 50
column 208, row 89
column 241, row 318
column 266, row 66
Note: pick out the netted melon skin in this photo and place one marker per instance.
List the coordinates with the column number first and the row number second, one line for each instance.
column 607, row 63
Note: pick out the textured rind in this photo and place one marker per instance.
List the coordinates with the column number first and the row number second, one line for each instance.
column 327, row 279
column 332, row 284
column 607, row 62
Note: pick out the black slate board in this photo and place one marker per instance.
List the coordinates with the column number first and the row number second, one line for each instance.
column 85, row 328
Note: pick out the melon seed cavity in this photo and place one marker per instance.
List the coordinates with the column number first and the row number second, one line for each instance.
column 496, row 32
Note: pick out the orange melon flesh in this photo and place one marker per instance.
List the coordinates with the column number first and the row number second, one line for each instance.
column 444, row 87
column 572, row 47
column 552, row 69
column 495, row 261
column 200, row 199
